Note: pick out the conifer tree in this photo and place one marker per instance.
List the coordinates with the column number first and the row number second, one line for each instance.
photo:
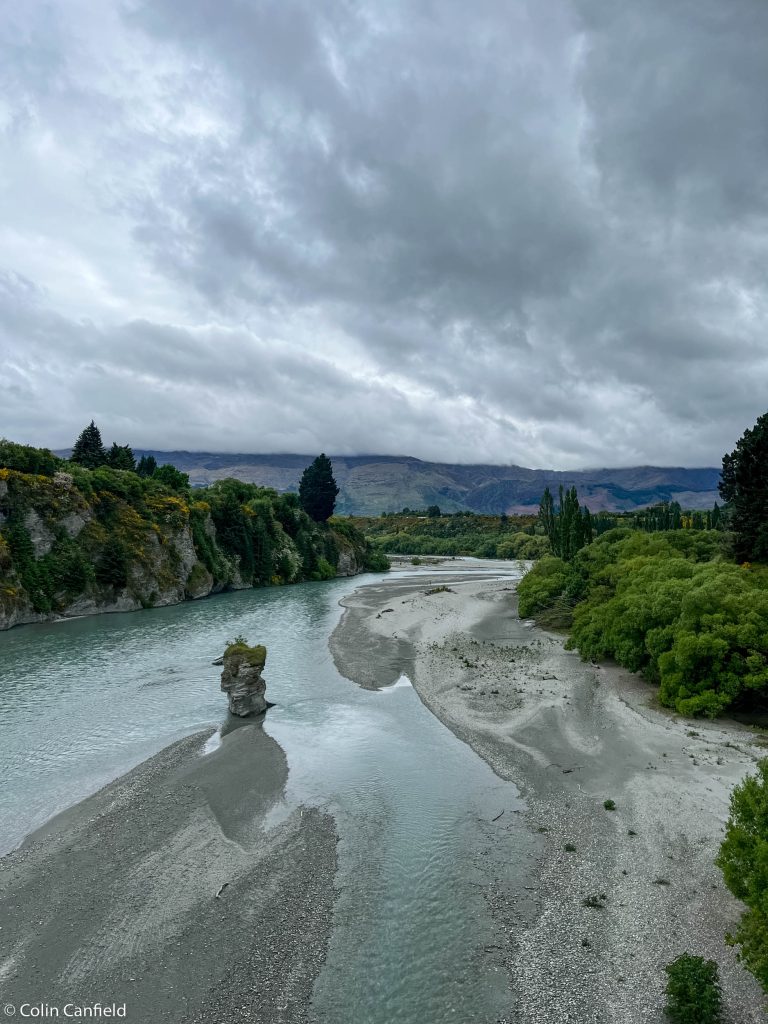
column 88, row 449
column 744, row 487
column 147, row 465
column 120, row 456
column 318, row 490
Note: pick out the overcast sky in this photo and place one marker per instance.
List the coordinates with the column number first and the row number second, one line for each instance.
column 525, row 231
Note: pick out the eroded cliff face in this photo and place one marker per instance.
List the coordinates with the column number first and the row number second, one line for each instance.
column 62, row 554
column 67, row 553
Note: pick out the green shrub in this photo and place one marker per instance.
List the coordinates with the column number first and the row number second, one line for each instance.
column 480, row 536
column 173, row 478
column 545, row 582
column 524, row 546
column 25, row 459
column 743, row 859
column 665, row 604
column 255, row 656
column 324, row 570
column 693, row 991
column 375, row 561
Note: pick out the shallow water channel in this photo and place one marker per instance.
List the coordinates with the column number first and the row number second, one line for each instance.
column 84, row 700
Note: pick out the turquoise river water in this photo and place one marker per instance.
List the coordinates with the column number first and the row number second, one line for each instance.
column 82, row 701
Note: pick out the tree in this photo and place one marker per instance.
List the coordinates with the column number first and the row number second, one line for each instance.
column 318, row 490
column 88, row 450
column 744, row 488
column 120, row 456
column 433, row 511
column 743, row 859
column 567, row 528
column 147, row 465
column 547, row 518
column 171, row 477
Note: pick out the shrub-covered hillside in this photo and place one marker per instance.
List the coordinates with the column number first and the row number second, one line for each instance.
column 75, row 540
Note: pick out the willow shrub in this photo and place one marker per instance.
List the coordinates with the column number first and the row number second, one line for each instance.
column 666, row 605
column 540, row 588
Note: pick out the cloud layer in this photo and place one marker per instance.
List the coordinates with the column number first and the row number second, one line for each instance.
column 466, row 233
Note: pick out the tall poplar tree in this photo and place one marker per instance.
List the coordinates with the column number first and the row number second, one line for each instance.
column 568, row 527
column 547, row 519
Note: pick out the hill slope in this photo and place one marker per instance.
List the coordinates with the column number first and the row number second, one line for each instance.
column 371, row 484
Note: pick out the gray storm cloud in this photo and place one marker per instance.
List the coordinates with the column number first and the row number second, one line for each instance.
column 530, row 233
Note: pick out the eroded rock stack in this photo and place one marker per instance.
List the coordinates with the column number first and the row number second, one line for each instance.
column 241, row 678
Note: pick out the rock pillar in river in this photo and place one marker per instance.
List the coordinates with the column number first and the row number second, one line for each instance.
column 241, row 679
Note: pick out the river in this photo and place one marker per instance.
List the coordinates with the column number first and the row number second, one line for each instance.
column 82, row 701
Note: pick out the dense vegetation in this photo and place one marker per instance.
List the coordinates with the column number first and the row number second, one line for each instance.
column 672, row 604
column 68, row 531
column 562, row 528
column 463, row 533
column 743, row 860
column 666, row 515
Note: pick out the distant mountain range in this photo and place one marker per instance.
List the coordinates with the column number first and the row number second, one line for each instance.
column 371, row 484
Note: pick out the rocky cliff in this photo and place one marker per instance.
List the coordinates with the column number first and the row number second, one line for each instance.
column 83, row 542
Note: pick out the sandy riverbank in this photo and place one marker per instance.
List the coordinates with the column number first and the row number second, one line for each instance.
column 570, row 736
column 116, row 899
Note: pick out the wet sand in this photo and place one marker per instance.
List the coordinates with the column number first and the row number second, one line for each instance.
column 640, row 886
column 115, row 900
